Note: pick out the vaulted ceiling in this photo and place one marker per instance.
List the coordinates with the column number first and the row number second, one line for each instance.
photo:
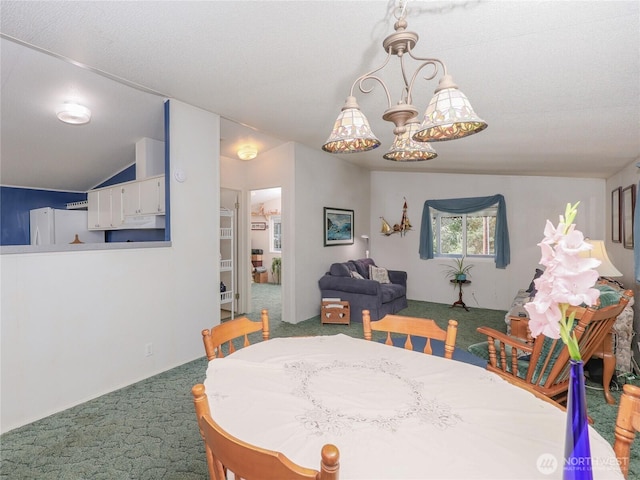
column 557, row 82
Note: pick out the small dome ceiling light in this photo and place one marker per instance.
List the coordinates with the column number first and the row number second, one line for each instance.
column 73, row 113
column 247, row 152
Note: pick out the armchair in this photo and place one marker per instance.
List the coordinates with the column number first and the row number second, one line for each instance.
column 543, row 364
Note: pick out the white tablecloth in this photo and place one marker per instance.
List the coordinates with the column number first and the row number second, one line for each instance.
column 394, row 414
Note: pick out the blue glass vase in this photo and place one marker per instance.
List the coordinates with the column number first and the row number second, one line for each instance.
column 577, row 451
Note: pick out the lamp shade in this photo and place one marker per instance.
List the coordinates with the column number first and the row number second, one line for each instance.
column 449, row 115
column 351, row 133
column 404, row 149
column 606, row 268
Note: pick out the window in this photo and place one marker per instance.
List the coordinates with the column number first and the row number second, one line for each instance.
column 275, row 238
column 465, row 234
column 494, row 233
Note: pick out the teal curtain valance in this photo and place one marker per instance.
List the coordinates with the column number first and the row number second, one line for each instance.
column 467, row 205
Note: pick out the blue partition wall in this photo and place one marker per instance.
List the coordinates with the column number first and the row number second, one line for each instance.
column 15, row 204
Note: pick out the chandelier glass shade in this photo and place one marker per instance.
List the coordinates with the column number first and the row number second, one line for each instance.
column 351, row 132
column 405, row 149
column 449, row 115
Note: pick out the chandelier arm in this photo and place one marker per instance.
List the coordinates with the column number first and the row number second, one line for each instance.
column 434, row 62
column 370, row 76
column 406, row 82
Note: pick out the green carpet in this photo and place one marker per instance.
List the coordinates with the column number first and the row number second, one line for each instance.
column 148, row 431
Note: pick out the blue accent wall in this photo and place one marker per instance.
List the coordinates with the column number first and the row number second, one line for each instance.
column 167, row 173
column 126, row 175
column 15, row 204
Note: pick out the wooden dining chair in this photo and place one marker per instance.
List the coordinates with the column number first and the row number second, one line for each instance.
column 544, row 364
column 230, row 330
column 412, row 326
column 627, row 424
column 249, row 462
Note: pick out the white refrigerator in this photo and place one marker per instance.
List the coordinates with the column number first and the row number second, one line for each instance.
column 54, row 226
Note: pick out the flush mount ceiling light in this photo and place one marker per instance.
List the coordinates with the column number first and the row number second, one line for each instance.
column 73, row 113
column 448, row 116
column 247, row 152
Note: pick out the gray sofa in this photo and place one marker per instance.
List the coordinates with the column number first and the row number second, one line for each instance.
column 363, row 293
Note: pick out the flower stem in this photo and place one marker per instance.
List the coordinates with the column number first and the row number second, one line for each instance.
column 568, row 337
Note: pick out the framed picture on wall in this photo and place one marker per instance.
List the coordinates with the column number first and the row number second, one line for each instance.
column 338, row 226
column 616, row 227
column 627, row 209
column 258, row 225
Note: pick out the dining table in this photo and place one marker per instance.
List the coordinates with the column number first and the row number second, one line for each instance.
column 393, row 413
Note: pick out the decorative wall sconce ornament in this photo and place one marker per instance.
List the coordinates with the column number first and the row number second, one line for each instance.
column 402, row 228
column 449, row 115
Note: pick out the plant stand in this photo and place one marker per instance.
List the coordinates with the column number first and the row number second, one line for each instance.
column 459, row 301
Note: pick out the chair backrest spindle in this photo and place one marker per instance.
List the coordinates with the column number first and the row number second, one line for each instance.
column 412, row 326
column 230, row 330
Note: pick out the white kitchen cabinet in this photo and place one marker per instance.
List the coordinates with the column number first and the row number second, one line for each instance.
column 152, row 196
column 144, row 197
column 93, row 214
column 110, row 206
column 105, row 208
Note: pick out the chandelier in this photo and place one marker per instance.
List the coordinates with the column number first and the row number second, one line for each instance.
column 448, row 116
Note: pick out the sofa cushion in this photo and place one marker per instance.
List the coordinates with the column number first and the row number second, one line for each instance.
column 379, row 274
column 391, row 291
column 339, row 270
column 355, row 274
column 361, row 268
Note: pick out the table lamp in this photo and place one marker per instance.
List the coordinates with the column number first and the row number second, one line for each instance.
column 606, row 268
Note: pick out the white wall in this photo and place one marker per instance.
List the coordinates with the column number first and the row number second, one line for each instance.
column 622, row 257
column 323, row 180
column 310, row 180
column 530, row 201
column 74, row 325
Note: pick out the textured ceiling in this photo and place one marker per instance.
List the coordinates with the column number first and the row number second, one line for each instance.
column 557, row 82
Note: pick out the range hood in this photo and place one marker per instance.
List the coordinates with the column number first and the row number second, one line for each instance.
column 144, row 221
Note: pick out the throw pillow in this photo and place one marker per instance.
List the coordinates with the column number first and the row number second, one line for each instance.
column 339, row 270
column 532, row 286
column 357, row 275
column 379, row 274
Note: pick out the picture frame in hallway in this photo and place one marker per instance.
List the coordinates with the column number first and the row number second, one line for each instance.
column 338, row 226
column 627, row 209
column 258, row 225
column 616, row 226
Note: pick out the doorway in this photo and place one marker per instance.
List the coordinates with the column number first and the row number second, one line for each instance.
column 266, row 251
column 229, row 278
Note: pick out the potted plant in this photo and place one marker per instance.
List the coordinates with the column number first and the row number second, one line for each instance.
column 276, row 266
column 458, row 271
